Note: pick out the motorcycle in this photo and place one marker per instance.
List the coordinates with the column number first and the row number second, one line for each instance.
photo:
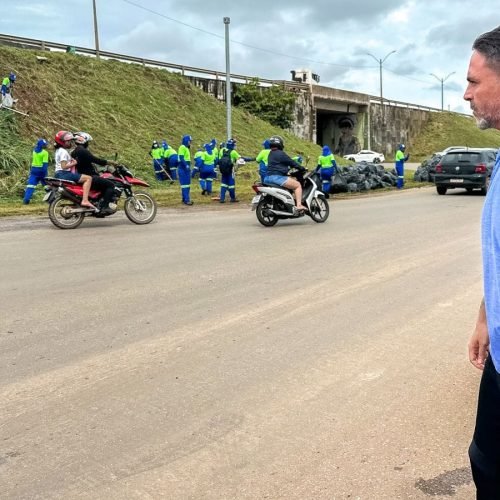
column 273, row 202
column 64, row 198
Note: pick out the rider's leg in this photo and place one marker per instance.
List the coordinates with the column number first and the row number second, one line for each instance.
column 297, row 191
column 86, row 181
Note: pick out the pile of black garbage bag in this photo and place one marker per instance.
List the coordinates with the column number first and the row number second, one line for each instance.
column 362, row 177
column 426, row 170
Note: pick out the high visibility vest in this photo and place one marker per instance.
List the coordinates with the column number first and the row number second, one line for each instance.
column 326, row 161
column 157, row 153
column 399, row 155
column 167, row 153
column 40, row 158
column 209, row 159
column 184, row 151
column 263, row 156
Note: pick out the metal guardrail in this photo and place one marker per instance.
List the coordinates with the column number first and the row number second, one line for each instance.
column 32, row 43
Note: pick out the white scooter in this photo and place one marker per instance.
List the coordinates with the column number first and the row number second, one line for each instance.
column 274, row 202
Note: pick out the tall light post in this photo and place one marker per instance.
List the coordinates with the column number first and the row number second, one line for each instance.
column 442, row 80
column 227, row 20
column 381, row 62
column 96, row 32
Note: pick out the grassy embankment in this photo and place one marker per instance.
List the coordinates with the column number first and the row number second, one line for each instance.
column 124, row 107
column 450, row 129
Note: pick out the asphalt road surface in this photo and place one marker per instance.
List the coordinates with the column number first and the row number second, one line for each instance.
column 206, row 357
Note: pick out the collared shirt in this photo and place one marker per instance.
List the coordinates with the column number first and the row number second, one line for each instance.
column 490, row 240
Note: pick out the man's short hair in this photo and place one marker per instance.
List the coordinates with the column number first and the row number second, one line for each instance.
column 488, row 44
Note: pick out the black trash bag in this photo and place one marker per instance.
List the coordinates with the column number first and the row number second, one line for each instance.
column 352, row 187
column 339, row 184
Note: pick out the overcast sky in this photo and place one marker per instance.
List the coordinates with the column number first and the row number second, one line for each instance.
column 330, row 37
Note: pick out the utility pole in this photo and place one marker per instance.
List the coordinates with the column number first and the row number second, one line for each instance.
column 96, row 32
column 442, row 80
column 227, row 20
column 381, row 62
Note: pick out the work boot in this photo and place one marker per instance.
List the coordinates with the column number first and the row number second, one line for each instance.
column 189, row 203
column 234, row 200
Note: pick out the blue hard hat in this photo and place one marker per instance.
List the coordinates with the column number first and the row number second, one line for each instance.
column 326, row 151
column 42, row 143
column 266, row 144
column 186, row 139
column 12, row 77
column 401, row 147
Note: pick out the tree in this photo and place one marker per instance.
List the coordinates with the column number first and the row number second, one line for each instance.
column 272, row 104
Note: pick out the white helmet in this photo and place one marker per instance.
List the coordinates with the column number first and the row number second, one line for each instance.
column 82, row 138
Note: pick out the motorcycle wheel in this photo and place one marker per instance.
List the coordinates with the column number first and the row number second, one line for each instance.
column 320, row 210
column 60, row 218
column 263, row 215
column 140, row 208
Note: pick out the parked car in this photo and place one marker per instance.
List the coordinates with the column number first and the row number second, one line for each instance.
column 448, row 149
column 467, row 168
column 366, row 155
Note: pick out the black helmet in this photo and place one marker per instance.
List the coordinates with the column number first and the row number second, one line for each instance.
column 276, row 142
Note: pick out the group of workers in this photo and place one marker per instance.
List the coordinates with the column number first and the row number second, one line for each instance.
column 171, row 165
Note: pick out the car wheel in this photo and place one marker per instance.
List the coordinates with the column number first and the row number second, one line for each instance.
column 469, row 190
column 484, row 190
column 376, row 160
column 351, row 159
column 441, row 189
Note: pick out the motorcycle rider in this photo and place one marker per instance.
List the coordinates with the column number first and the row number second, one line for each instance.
column 65, row 164
column 278, row 165
column 84, row 165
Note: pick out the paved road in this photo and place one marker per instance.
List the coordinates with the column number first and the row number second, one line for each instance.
column 206, row 357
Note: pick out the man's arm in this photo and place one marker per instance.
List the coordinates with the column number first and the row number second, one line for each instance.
column 480, row 340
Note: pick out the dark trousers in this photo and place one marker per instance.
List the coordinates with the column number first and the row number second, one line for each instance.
column 105, row 187
column 484, row 451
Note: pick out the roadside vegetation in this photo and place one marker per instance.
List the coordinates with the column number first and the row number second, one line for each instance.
column 450, row 129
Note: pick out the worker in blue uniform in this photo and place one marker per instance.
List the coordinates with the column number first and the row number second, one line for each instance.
column 157, row 154
column 400, row 159
column 262, row 158
column 184, row 169
column 39, row 169
column 328, row 167
column 170, row 159
column 207, row 169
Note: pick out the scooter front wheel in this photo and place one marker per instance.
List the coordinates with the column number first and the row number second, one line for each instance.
column 264, row 214
column 320, row 210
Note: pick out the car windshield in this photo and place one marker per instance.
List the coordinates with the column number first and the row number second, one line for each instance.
column 465, row 157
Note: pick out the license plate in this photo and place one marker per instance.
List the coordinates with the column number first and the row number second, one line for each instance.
column 457, row 181
column 47, row 195
column 256, row 199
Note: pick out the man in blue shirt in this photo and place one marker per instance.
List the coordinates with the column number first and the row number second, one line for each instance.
column 483, row 93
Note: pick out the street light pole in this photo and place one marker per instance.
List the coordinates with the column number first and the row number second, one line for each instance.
column 96, row 32
column 381, row 62
column 442, row 80
column 227, row 20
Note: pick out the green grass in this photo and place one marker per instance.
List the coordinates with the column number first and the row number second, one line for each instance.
column 450, row 129
column 123, row 106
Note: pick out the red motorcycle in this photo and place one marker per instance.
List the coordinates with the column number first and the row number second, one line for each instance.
column 64, row 198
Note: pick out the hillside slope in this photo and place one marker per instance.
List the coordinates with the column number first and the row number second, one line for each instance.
column 124, row 107
column 451, row 129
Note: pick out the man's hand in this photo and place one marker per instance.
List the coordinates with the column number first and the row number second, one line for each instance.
column 479, row 341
